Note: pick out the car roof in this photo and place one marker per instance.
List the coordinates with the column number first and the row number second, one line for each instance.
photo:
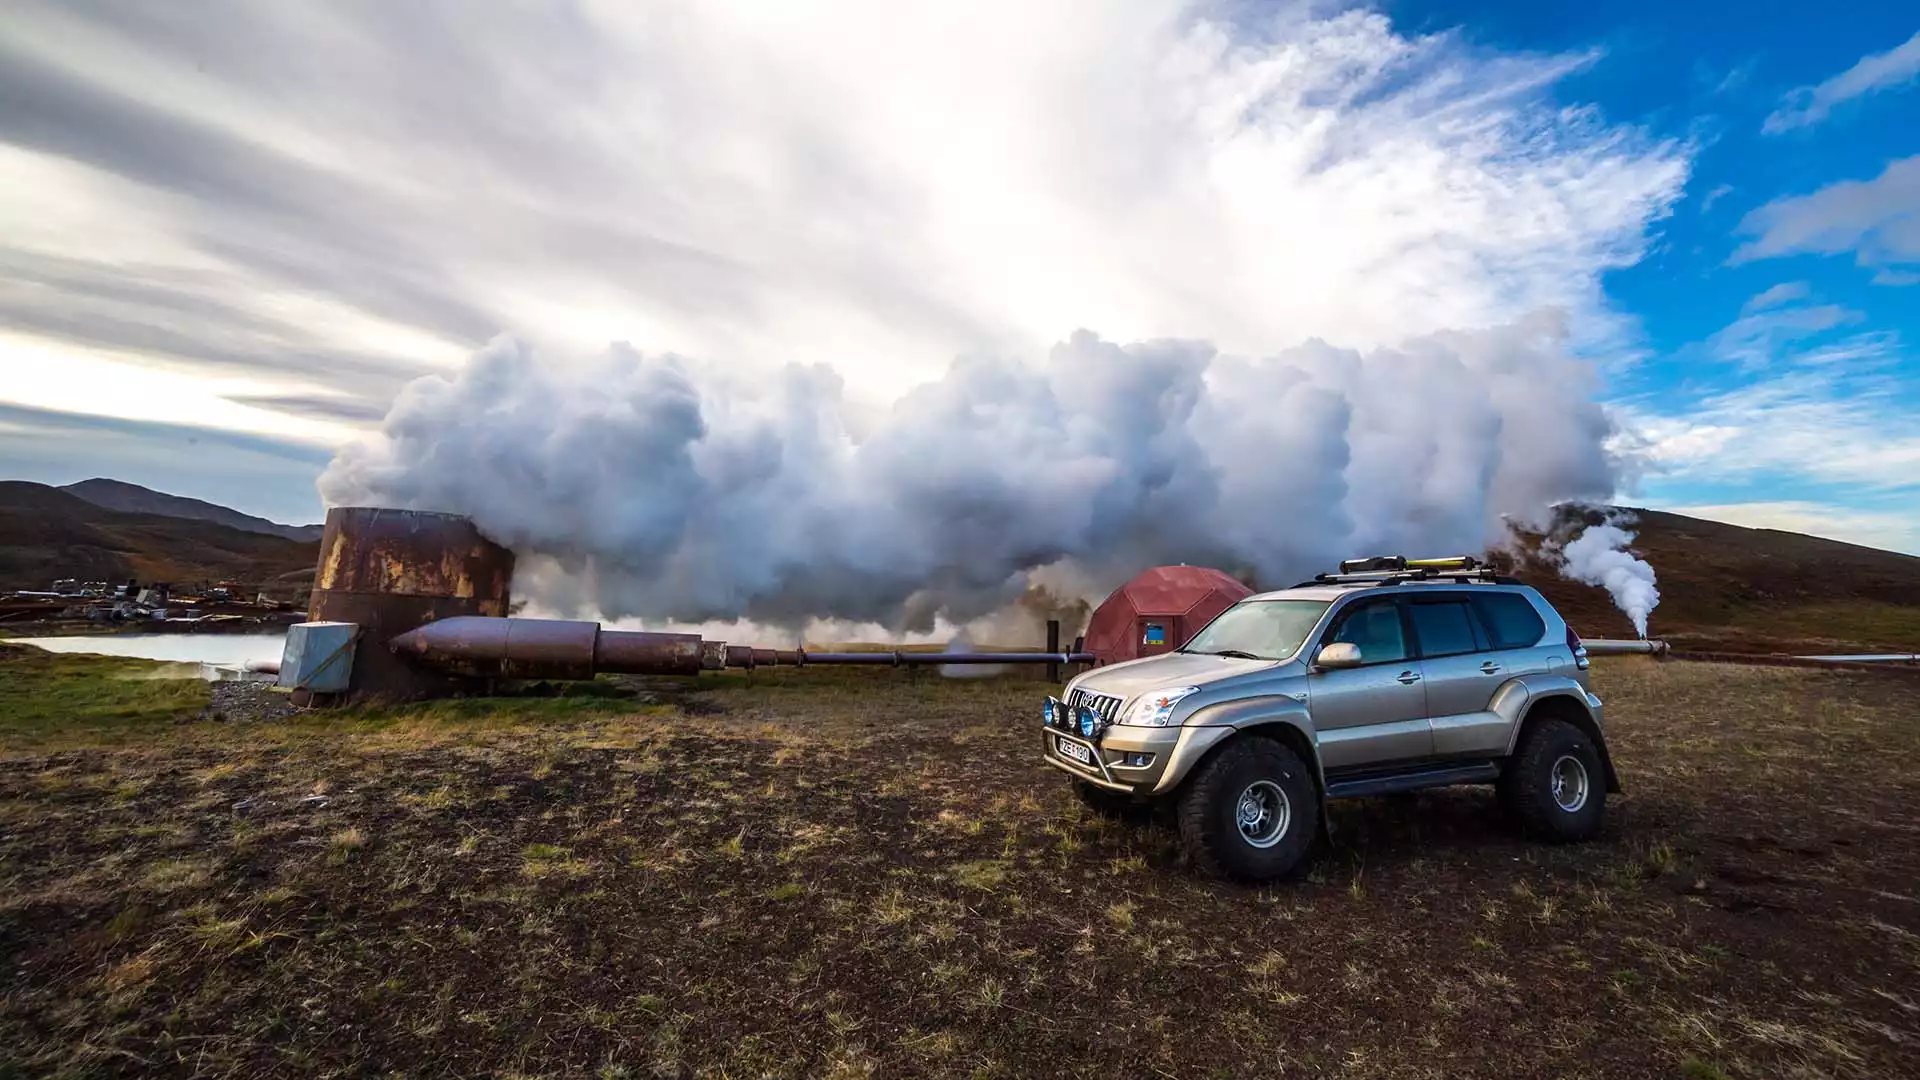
column 1331, row 592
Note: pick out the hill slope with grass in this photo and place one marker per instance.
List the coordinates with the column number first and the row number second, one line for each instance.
column 1734, row 589
column 47, row 533
column 134, row 499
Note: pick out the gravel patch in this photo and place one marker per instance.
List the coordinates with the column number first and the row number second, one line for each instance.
column 241, row 701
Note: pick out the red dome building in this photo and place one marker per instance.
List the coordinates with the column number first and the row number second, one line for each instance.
column 1158, row 611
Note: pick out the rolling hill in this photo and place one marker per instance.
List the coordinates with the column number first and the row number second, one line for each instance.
column 134, row 499
column 1734, row 589
column 47, row 533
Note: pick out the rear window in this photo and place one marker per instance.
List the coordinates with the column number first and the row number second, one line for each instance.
column 1444, row 629
column 1509, row 620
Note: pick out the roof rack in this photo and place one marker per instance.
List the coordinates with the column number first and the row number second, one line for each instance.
column 1394, row 569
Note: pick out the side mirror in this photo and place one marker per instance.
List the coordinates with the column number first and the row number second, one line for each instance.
column 1340, row 654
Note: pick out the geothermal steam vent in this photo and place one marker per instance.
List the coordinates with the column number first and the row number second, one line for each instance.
column 409, row 604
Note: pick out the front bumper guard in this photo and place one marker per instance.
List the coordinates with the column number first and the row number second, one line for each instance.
column 1174, row 751
column 1101, row 773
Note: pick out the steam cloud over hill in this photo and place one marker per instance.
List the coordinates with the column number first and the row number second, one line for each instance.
column 643, row 486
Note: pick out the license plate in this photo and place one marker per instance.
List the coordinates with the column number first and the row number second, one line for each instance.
column 1074, row 750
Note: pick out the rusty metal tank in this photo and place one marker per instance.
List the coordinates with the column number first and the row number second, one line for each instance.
column 392, row 570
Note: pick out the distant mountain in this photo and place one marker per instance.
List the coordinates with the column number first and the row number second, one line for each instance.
column 134, row 499
column 47, row 533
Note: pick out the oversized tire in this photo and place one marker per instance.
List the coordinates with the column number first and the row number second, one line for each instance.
column 1250, row 812
column 1105, row 802
column 1555, row 785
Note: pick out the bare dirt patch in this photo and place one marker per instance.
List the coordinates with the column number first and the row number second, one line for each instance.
column 854, row 874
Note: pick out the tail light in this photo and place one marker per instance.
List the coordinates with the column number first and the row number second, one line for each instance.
column 1579, row 651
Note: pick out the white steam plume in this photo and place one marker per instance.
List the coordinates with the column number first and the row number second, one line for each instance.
column 1599, row 556
column 823, row 210
column 641, row 486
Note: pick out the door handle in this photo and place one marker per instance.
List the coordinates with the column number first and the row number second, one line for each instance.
column 1489, row 668
column 1407, row 678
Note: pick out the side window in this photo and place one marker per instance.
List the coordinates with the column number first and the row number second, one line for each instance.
column 1445, row 628
column 1374, row 626
column 1509, row 620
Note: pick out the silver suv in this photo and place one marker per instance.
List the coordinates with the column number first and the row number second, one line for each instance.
column 1392, row 675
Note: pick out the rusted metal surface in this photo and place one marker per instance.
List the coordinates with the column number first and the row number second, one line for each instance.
column 412, row 553
column 634, row 652
column 549, row 649
column 559, row 649
column 745, row 656
column 479, row 645
column 392, row 570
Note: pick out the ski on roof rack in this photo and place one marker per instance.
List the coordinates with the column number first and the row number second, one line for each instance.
column 1394, row 569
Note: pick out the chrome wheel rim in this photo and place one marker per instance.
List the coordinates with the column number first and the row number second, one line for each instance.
column 1569, row 778
column 1262, row 812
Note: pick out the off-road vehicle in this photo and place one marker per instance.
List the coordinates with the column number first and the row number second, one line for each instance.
column 1392, row 675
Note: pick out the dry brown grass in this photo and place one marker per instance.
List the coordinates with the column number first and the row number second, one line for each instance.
column 867, row 873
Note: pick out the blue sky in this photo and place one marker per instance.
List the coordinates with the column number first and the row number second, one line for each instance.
column 216, row 268
column 1836, row 337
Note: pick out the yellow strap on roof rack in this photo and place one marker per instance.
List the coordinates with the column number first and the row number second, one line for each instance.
column 1449, row 562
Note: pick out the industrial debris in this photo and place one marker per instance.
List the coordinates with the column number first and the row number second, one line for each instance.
column 199, row 605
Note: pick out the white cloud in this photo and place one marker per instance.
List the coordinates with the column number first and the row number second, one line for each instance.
column 1808, row 105
column 1815, row 423
column 1779, row 294
column 359, row 194
column 1891, row 530
column 1764, row 331
column 42, row 376
column 1736, row 77
column 1878, row 220
column 1719, row 192
column 1832, row 410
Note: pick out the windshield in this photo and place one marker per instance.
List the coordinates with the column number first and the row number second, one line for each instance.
column 1259, row 629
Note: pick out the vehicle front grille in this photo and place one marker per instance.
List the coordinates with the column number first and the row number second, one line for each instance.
column 1107, row 706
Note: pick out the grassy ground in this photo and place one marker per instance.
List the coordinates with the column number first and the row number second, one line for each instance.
column 90, row 699
column 861, row 874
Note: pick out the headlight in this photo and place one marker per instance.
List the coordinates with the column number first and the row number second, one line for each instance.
column 1155, row 709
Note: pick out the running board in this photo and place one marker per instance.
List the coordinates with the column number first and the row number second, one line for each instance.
column 1480, row 773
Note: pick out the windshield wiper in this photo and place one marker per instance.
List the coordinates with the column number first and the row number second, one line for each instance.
column 1237, row 654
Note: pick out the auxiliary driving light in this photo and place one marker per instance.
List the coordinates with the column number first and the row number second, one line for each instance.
column 1089, row 721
